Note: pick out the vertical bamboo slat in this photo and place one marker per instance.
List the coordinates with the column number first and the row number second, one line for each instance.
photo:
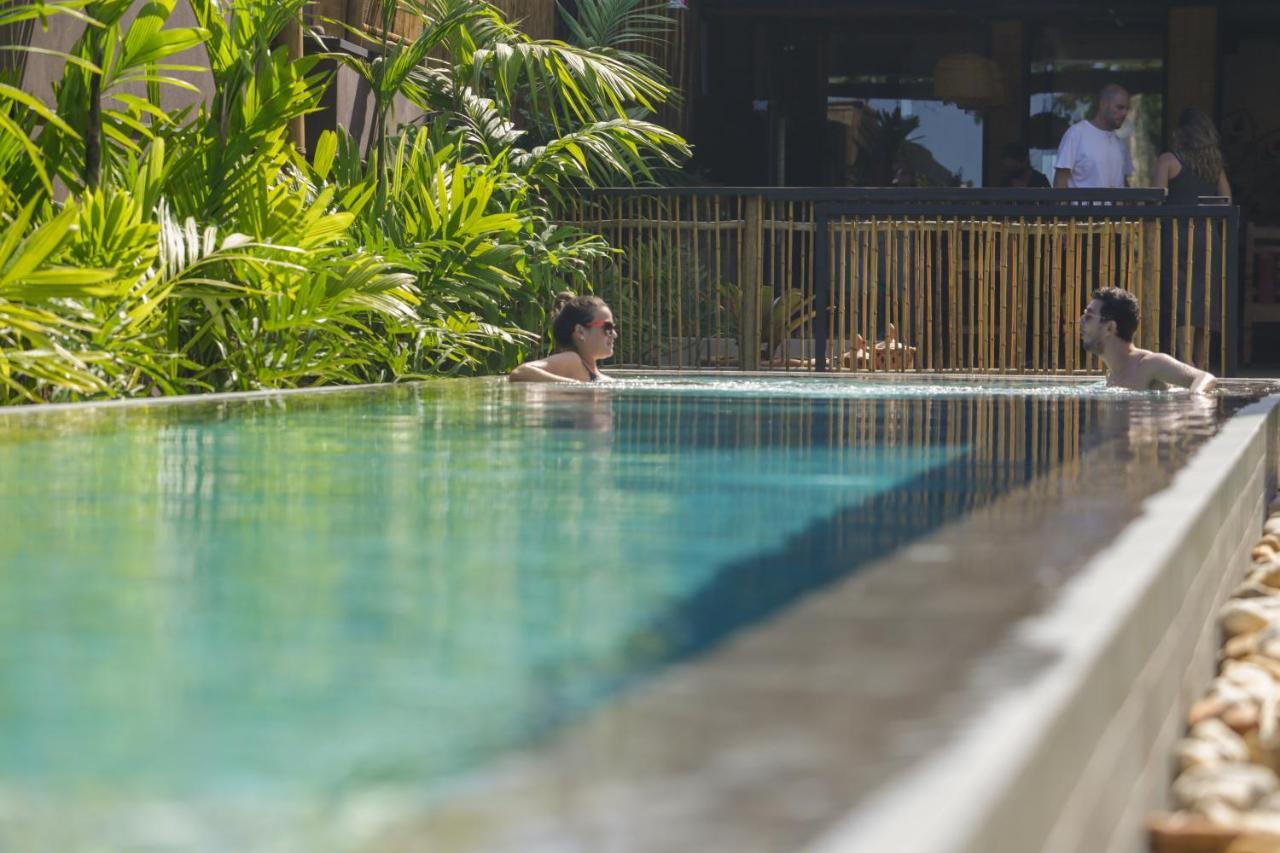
column 957, row 304
column 678, row 240
column 1208, row 291
column 870, row 318
column 1222, row 301
column 1173, row 284
column 1004, row 292
column 1189, row 273
column 1053, row 327
column 919, row 329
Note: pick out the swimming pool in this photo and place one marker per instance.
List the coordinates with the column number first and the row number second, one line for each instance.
column 245, row 612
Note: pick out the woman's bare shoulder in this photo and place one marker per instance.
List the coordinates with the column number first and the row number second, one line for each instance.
column 558, row 366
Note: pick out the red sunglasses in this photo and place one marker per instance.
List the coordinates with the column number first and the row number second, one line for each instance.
column 607, row 325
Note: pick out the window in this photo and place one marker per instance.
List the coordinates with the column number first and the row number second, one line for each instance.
column 886, row 126
column 1070, row 63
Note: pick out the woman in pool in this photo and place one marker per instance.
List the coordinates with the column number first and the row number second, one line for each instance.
column 583, row 332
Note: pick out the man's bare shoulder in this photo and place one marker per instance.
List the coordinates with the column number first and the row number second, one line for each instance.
column 1162, row 370
column 1154, row 360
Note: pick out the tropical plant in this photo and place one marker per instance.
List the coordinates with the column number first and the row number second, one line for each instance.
column 197, row 249
column 780, row 315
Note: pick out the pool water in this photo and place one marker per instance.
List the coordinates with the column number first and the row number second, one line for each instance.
column 292, row 598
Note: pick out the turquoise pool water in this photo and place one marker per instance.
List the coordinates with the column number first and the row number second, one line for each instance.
column 299, row 596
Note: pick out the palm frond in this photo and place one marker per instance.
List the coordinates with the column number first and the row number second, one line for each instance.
column 626, row 25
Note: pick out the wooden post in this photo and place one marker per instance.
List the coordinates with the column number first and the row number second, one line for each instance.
column 293, row 41
column 1192, row 61
column 1006, row 123
column 751, row 277
column 1150, row 266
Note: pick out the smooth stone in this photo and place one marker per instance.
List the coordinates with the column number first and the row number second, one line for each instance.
column 1244, row 616
column 1237, row 786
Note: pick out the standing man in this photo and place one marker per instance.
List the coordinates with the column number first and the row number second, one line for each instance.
column 1106, row 330
column 1090, row 154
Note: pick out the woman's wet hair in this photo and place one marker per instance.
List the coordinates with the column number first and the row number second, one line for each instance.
column 570, row 311
column 1195, row 141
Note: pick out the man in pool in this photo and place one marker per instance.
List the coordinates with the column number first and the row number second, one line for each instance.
column 1106, row 330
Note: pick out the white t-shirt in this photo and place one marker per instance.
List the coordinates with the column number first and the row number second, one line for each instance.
column 1096, row 158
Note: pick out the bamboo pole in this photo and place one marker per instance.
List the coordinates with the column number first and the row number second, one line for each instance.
column 1149, row 264
column 699, row 298
column 838, row 252
column 894, row 281
column 1208, row 291
column 1005, row 292
column 871, row 317
column 1174, row 234
column 811, row 286
column 934, row 310
column 1222, row 297
column 991, row 287
column 1021, row 281
column 721, row 309
column 788, row 283
column 649, row 273
column 978, row 321
column 1073, row 273
column 1186, row 353
column 682, row 343
column 953, row 301
column 857, row 237
column 1056, row 274
column 920, row 325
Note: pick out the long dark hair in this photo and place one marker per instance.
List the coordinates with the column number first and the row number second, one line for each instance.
column 569, row 312
column 1195, row 141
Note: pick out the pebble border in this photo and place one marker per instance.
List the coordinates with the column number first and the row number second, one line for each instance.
column 1226, row 794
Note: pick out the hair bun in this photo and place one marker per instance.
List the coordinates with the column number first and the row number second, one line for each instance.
column 563, row 298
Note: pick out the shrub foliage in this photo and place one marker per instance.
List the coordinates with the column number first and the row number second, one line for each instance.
column 148, row 250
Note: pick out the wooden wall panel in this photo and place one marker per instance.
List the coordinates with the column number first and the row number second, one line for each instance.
column 537, row 18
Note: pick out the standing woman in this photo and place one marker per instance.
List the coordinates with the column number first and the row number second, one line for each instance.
column 1191, row 170
column 583, row 332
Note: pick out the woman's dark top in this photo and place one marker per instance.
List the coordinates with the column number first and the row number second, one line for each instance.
column 1187, row 187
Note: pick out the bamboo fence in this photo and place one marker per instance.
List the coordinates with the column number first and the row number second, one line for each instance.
column 708, row 280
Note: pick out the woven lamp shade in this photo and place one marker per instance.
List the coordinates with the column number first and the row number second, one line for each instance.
column 968, row 80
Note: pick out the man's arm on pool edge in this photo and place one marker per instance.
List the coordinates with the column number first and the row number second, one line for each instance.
column 1170, row 371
